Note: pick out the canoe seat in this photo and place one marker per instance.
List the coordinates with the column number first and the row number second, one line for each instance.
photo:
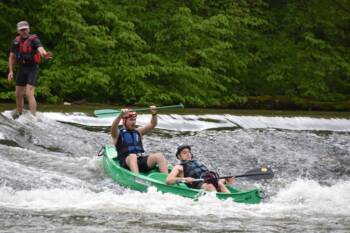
column 158, row 176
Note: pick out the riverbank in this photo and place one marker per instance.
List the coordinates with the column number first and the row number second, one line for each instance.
column 290, row 103
column 89, row 108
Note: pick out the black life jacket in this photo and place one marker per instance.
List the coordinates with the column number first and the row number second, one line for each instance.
column 193, row 168
column 26, row 53
column 129, row 142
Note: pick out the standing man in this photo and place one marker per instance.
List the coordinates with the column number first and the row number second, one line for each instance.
column 128, row 143
column 26, row 51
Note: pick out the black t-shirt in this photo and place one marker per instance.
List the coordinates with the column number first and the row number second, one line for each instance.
column 35, row 45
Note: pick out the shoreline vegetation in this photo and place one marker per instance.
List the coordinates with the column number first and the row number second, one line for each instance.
column 263, row 54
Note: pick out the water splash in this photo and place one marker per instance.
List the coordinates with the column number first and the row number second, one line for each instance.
column 302, row 197
column 51, row 169
column 210, row 121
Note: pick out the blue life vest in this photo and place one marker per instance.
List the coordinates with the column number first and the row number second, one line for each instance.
column 193, row 168
column 129, row 142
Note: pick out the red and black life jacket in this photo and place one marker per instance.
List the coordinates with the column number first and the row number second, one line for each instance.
column 26, row 54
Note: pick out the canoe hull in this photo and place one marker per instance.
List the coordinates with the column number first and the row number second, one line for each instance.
column 142, row 182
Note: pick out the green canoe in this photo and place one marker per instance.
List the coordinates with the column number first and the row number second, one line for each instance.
column 154, row 178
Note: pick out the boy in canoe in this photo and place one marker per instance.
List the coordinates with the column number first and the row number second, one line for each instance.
column 128, row 142
column 189, row 170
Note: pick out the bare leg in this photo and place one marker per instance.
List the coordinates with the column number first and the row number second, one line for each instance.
column 208, row 187
column 211, row 187
column 222, row 186
column 31, row 98
column 19, row 98
column 158, row 158
column 131, row 161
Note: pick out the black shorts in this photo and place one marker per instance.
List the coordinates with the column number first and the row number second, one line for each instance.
column 27, row 75
column 195, row 185
column 141, row 162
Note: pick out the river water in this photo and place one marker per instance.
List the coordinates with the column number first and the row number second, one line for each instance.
column 51, row 179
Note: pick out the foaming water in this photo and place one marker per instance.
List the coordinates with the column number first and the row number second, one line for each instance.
column 302, row 197
column 212, row 121
column 52, row 180
column 291, row 123
column 308, row 196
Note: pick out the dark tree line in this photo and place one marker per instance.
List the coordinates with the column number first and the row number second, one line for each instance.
column 198, row 52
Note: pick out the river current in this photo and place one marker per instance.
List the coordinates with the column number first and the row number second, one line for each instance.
column 51, row 179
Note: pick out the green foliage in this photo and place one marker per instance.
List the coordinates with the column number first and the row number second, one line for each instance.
column 198, row 52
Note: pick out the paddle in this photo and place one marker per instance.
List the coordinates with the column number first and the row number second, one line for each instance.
column 114, row 112
column 255, row 174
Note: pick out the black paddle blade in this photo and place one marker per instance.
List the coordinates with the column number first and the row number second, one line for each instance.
column 258, row 174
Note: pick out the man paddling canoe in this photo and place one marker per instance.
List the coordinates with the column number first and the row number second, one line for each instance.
column 189, row 170
column 128, row 142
